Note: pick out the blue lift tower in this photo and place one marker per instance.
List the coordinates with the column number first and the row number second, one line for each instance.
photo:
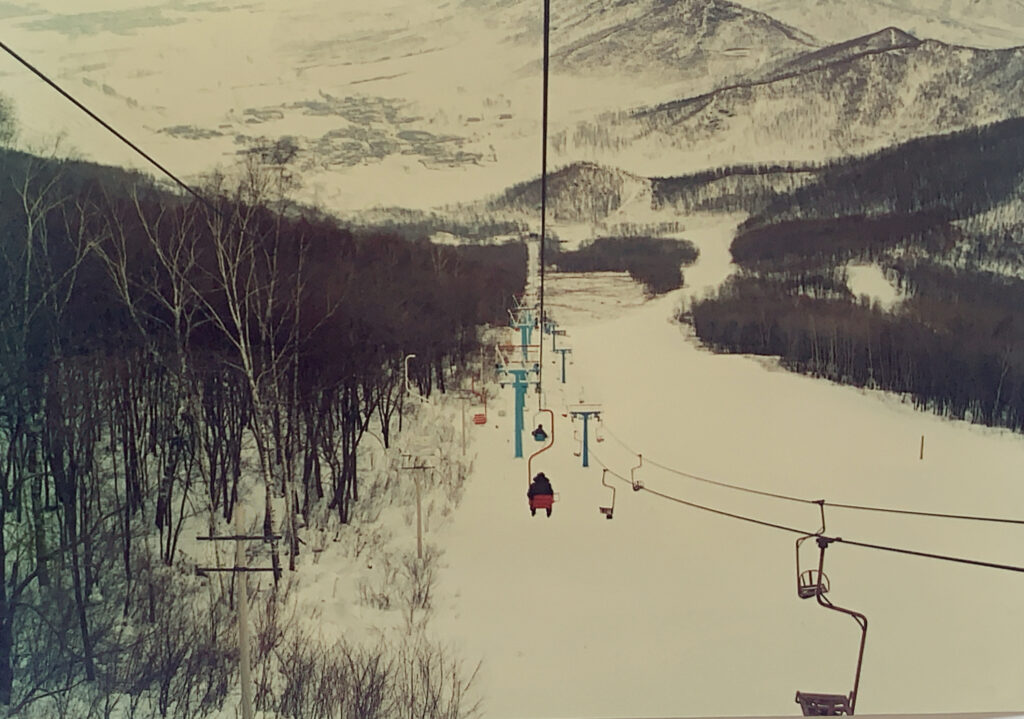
column 586, row 414
column 520, row 382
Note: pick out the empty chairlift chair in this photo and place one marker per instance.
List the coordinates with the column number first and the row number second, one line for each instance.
column 607, row 511
column 809, row 582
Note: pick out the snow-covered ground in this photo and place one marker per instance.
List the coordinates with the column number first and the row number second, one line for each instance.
column 866, row 279
column 664, row 610
column 669, row 611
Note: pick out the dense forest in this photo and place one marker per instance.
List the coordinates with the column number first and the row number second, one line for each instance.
column 580, row 192
column 468, row 224
column 956, row 175
column 920, row 213
column 653, row 261
column 156, row 350
column 747, row 188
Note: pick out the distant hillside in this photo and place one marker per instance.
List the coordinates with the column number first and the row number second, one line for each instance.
column 75, row 175
column 959, row 175
column 890, row 38
column 671, row 39
column 844, row 100
column 583, row 192
column 749, row 188
column 980, row 23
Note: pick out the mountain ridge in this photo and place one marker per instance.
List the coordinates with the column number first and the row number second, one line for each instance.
column 855, row 98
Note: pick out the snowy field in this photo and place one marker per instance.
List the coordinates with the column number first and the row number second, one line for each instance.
column 669, row 611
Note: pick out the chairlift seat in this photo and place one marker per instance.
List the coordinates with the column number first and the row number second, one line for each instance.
column 819, row 705
column 480, row 418
column 606, row 511
column 542, row 501
column 808, row 584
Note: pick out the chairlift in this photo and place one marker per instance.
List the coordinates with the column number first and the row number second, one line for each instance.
column 541, row 501
column 598, row 434
column 820, row 704
column 811, row 582
column 579, row 443
column 637, row 484
column 607, row 511
column 480, row 417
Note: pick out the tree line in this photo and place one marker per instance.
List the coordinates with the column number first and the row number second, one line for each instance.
column 920, row 212
column 956, row 175
column 154, row 351
column 655, row 262
column 955, row 347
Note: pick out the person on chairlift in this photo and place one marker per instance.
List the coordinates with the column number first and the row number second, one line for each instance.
column 540, row 435
column 540, row 486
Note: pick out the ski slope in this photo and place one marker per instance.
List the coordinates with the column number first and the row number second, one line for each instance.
column 669, row 611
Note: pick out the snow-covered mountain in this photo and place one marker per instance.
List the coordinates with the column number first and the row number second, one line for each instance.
column 425, row 103
column 980, row 23
column 694, row 40
column 839, row 101
column 890, row 38
column 662, row 48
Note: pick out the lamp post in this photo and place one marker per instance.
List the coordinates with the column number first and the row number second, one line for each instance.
column 407, row 358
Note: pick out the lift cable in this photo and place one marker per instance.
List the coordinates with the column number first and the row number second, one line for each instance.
column 916, row 513
column 794, row 530
column 702, row 507
column 737, row 487
column 108, row 127
column 543, row 195
column 822, row 502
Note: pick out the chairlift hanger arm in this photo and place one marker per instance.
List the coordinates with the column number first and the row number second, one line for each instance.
column 862, row 621
column 551, row 442
column 607, row 511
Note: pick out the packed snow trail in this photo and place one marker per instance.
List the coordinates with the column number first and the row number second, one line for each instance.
column 668, row 611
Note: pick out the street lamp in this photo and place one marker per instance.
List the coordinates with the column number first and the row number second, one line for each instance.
column 407, row 358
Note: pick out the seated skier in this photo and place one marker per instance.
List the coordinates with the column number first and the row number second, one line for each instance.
column 539, row 434
column 540, row 494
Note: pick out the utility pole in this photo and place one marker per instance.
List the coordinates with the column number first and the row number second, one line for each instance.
column 415, row 467
column 241, row 599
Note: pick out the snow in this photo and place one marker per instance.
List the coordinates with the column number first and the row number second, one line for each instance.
column 663, row 610
column 668, row 611
column 871, row 281
column 979, row 23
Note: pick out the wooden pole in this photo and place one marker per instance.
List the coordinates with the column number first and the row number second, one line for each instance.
column 419, row 517
column 922, row 447
column 242, row 601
